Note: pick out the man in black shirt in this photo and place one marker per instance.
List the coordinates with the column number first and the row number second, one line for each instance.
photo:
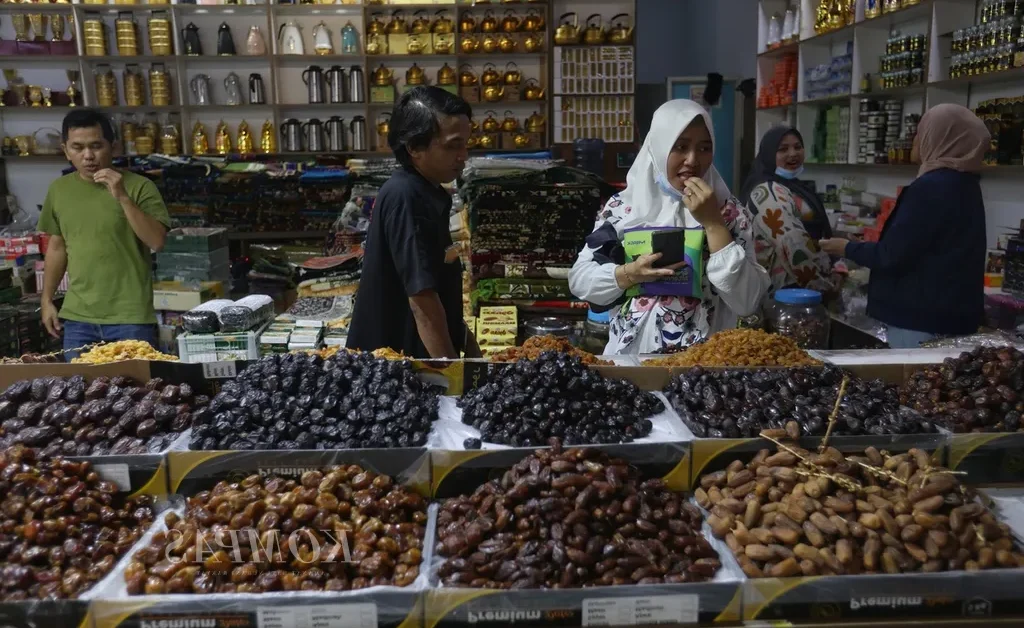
column 410, row 292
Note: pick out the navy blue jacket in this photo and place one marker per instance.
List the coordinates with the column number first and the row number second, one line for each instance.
column 927, row 269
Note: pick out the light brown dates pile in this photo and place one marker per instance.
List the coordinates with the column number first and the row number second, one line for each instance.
column 831, row 515
column 285, row 520
column 569, row 519
column 62, row 527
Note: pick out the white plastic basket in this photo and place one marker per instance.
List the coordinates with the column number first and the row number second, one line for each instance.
column 220, row 347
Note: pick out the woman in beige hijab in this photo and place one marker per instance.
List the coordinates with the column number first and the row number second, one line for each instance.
column 927, row 269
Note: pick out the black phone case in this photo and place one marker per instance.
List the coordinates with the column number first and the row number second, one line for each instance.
column 671, row 245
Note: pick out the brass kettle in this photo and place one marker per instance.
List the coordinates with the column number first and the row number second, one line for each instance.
column 469, row 44
column 490, row 23
column 510, row 23
column 618, row 33
column 489, row 43
column 507, row 44
column 568, row 32
column 467, row 23
column 512, row 74
column 420, row 25
column 533, row 90
column 593, row 35
column 486, row 141
column 472, row 142
column 416, row 46
column 533, row 22
column 493, row 93
column 536, row 123
column 397, row 25
column 376, row 25
column 443, row 24
column 384, row 124
column 447, row 75
column 490, row 123
column 509, row 124
column 490, row 75
column 533, row 42
column 415, row 75
column 382, row 76
column 466, row 76
column 521, row 140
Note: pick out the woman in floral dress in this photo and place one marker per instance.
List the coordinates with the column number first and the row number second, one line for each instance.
column 672, row 184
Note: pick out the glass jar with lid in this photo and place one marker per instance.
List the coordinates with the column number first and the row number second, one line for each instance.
column 800, row 315
column 595, row 336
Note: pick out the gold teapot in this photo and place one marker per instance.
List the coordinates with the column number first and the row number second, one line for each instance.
column 521, row 140
column 510, row 23
column 420, row 25
column 467, row 23
column 489, row 43
column 384, row 124
column 245, row 144
column 397, row 25
column 509, row 124
column 472, row 142
column 486, row 142
column 490, row 23
column 507, row 44
column 443, row 24
column 533, row 42
column 222, row 140
column 490, row 75
column 533, row 90
column 268, row 138
column 382, row 76
column 376, row 25
column 618, row 33
column 447, row 75
column 536, row 123
column 469, row 44
column 474, row 126
column 533, row 22
column 593, row 35
column 512, row 74
column 416, row 45
column 568, row 32
column 415, row 76
column 490, row 123
column 493, row 93
column 200, row 141
column 466, row 76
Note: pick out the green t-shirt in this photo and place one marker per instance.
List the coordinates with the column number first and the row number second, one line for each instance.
column 109, row 269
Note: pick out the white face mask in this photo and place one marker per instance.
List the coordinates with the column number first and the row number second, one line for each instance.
column 789, row 174
column 667, row 188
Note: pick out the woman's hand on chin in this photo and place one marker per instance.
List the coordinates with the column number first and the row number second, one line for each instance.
column 700, row 199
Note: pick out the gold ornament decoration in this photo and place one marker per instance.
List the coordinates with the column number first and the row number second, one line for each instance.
column 490, row 123
column 200, row 141
column 222, row 140
column 245, row 143
column 268, row 138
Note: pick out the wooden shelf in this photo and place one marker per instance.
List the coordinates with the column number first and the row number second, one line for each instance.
column 130, row 59
column 216, row 9
column 37, row 8
column 228, row 59
column 215, row 108
column 826, row 100
column 8, row 110
column 779, row 51
column 55, row 59
column 305, row 59
column 895, row 92
column 138, row 109
column 326, row 106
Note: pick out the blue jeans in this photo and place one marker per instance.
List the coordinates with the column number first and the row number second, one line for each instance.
column 900, row 338
column 78, row 335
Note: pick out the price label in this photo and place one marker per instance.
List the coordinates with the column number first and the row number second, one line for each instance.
column 219, row 370
column 633, row 611
column 116, row 473
column 317, row 616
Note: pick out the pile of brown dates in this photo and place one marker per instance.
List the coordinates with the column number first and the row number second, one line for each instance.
column 568, row 519
column 979, row 391
column 63, row 528
column 108, row 416
column 834, row 514
column 340, row 529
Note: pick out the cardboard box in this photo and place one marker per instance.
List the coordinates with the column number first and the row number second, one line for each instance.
column 179, row 297
column 470, row 93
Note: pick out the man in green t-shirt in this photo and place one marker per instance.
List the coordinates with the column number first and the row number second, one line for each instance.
column 103, row 222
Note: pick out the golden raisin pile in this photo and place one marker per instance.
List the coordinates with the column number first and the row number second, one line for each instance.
column 122, row 350
column 740, row 347
column 537, row 345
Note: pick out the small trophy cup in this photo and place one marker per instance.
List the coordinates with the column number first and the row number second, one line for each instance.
column 73, row 87
column 47, row 97
column 38, row 21
column 57, row 27
column 20, row 23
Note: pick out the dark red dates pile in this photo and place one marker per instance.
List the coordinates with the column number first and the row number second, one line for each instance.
column 979, row 391
column 62, row 528
column 568, row 519
column 109, row 416
column 299, row 530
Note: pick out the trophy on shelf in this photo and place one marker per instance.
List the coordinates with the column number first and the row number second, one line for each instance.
column 3, row 94
column 38, row 22
column 17, row 84
column 35, row 95
column 20, row 23
column 72, row 87
column 47, row 97
column 57, row 27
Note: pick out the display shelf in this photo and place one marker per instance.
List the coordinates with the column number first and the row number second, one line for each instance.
column 195, row 109
column 138, row 109
column 280, row 235
column 280, row 58
column 61, row 109
column 216, row 9
column 41, row 158
column 130, row 59
column 215, row 59
column 827, row 100
column 780, row 51
column 325, row 106
column 514, row 56
column 33, row 59
column 318, row 9
column 897, row 92
column 37, row 8
column 1013, row 75
column 409, row 58
column 777, row 108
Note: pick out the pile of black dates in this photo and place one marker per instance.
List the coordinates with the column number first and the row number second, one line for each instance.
column 979, row 391
column 303, row 401
column 741, row 403
column 108, row 416
column 526, row 403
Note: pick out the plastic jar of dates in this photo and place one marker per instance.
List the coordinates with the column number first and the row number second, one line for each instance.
column 799, row 315
column 595, row 336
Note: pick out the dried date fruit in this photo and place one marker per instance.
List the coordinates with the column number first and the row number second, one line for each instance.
column 536, row 345
column 740, row 347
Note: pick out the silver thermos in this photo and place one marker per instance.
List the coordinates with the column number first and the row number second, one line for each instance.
column 335, row 134
column 256, row 94
column 314, row 132
column 335, row 78
column 291, row 135
column 313, row 77
column 356, row 88
column 358, row 128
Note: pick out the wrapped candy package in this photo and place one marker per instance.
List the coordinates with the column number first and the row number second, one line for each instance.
column 247, row 313
column 203, row 319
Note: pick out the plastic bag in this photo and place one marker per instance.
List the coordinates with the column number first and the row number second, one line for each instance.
column 246, row 313
column 203, row 319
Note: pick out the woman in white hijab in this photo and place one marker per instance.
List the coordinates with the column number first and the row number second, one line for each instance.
column 672, row 184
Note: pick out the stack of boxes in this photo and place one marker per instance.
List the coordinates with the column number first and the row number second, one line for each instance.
column 832, row 135
column 781, row 88
column 307, row 335
column 276, row 337
column 496, row 329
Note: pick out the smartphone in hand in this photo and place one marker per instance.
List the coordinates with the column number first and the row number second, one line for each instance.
column 671, row 244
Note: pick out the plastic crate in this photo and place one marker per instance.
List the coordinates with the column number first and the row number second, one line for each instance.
column 195, row 240
column 220, row 347
column 40, row 273
column 220, row 273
